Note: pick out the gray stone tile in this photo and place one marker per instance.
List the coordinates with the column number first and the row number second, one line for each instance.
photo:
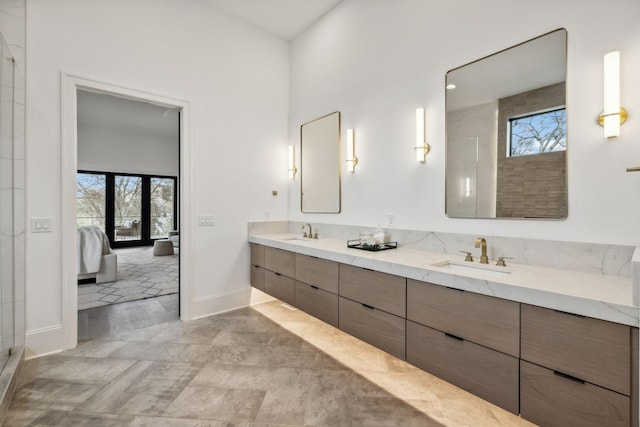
column 217, row 403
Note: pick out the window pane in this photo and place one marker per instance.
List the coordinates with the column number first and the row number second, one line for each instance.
column 91, row 200
column 162, row 213
column 538, row 133
column 127, row 212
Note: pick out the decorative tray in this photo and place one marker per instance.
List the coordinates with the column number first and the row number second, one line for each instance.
column 357, row 244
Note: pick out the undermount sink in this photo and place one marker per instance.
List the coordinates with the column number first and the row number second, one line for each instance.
column 297, row 239
column 472, row 268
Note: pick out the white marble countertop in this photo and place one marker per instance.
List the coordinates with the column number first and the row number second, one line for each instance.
column 599, row 296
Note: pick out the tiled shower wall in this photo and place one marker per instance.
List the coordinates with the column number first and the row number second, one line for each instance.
column 12, row 27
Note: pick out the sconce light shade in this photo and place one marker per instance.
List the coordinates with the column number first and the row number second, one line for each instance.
column 352, row 160
column 292, row 162
column 613, row 115
column 421, row 148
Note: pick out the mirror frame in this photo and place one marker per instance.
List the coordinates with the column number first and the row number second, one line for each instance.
column 558, row 184
column 323, row 132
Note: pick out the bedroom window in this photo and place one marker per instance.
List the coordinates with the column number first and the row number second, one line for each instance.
column 132, row 209
column 91, row 200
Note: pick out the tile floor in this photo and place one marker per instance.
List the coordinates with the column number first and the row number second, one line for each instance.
column 266, row 365
column 140, row 275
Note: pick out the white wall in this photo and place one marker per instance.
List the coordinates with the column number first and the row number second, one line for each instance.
column 115, row 150
column 376, row 61
column 236, row 80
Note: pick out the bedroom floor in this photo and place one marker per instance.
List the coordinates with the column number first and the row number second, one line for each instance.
column 266, row 365
column 140, row 275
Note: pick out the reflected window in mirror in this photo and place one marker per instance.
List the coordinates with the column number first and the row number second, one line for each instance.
column 537, row 133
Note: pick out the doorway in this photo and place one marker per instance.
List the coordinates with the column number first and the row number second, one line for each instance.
column 72, row 86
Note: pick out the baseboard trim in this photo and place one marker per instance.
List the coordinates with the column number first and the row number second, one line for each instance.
column 221, row 303
column 43, row 341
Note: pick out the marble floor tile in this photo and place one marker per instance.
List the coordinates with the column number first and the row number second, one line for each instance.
column 261, row 366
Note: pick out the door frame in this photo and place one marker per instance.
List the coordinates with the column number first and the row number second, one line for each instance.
column 70, row 84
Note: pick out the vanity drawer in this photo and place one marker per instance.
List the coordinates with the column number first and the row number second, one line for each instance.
column 380, row 329
column 487, row 373
column 485, row 320
column 380, row 290
column 257, row 254
column 551, row 400
column 257, row 277
column 279, row 286
column 317, row 302
column 592, row 350
column 279, row 261
column 317, row 272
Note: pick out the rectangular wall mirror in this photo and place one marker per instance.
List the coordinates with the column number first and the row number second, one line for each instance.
column 320, row 165
column 507, row 133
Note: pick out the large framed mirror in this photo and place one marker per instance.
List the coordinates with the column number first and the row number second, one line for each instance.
column 506, row 133
column 320, row 165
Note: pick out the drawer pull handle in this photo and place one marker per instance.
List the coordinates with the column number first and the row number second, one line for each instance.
column 277, row 274
column 256, row 265
column 570, row 314
column 314, row 287
column 455, row 289
column 368, row 306
column 368, row 269
column 568, row 377
column 314, row 257
column 454, row 336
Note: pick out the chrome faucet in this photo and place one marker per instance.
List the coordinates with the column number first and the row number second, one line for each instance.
column 309, row 234
column 481, row 242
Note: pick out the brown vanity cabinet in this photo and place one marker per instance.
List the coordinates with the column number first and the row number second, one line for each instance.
column 317, row 287
column 552, row 368
column 467, row 339
column 257, row 266
column 373, row 308
column 577, row 370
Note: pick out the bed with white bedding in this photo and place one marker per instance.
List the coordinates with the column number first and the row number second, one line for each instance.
column 95, row 256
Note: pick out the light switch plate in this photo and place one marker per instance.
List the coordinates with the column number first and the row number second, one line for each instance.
column 206, row 220
column 41, row 225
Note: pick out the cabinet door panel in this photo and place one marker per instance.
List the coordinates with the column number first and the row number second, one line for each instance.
column 380, row 290
column 279, row 286
column 257, row 254
column 317, row 302
column 552, row 400
column 486, row 373
column 279, row 261
column 317, row 272
column 590, row 349
column 257, row 277
column 380, row 329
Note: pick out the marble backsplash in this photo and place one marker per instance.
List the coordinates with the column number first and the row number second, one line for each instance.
column 614, row 260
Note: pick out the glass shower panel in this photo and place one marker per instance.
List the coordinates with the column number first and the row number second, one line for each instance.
column 7, row 75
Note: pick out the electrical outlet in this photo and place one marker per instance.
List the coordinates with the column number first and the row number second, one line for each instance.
column 390, row 218
column 206, row 220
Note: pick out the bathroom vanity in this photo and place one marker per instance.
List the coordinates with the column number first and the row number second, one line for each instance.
column 558, row 347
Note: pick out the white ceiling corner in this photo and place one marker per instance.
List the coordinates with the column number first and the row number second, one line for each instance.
column 283, row 18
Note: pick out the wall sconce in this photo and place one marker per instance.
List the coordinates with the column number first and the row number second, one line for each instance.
column 292, row 162
column 613, row 115
column 421, row 148
column 467, row 187
column 352, row 160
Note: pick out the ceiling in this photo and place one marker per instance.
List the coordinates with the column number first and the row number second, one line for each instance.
column 112, row 113
column 283, row 18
